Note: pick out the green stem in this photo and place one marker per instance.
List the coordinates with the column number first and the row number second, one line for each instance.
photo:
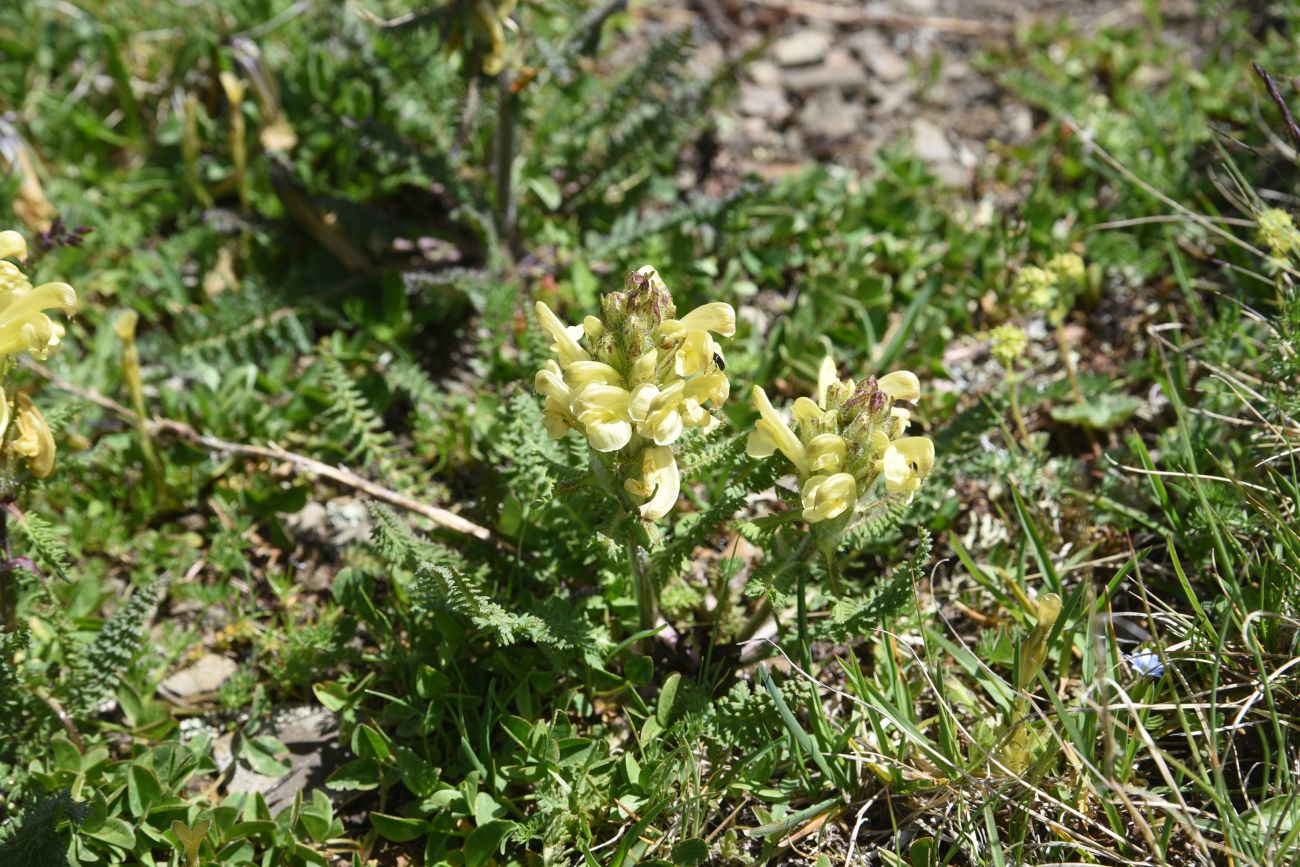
column 647, row 601
column 805, row 654
column 1016, row 416
column 1068, row 359
column 505, row 159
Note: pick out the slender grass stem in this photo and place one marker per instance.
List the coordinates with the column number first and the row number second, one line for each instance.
column 647, row 601
column 1016, row 416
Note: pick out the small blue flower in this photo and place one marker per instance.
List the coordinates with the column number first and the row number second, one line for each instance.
column 1146, row 662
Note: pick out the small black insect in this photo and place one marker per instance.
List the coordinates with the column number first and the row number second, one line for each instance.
column 717, row 359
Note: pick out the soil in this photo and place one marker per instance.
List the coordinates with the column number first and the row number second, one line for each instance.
column 835, row 81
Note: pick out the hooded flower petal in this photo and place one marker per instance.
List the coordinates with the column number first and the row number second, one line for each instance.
column 826, row 497
column 583, row 373
column 716, row 316
column 660, row 481
column 34, row 440
column 771, row 426
column 827, row 453
column 12, row 245
column 23, row 323
column 566, row 345
column 695, row 355
column 603, row 411
column 901, row 385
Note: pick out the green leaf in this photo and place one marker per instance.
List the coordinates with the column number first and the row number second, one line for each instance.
column 398, row 829
column 142, row 790
column 115, row 832
column 667, row 699
column 1100, row 412
column 690, row 852
column 260, row 753
column 484, row 841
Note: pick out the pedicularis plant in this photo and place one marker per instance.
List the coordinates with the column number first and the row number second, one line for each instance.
column 633, row 380
column 26, row 445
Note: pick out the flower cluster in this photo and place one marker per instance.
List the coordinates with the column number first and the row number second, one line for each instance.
column 634, row 378
column 1279, row 233
column 25, row 327
column 1050, row 289
column 853, row 433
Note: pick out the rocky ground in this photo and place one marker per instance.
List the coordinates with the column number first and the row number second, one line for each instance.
column 836, row 80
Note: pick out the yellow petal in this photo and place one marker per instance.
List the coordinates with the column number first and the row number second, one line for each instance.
column 661, row 479
column 583, row 373
column 12, row 245
column 566, row 347
column 775, row 427
column 826, row 497
column 760, row 444
column 603, row 411
column 716, row 316
column 34, row 440
column 827, row 453
column 804, row 410
column 901, row 385
column 825, row 378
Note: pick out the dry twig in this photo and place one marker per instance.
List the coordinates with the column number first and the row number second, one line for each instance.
column 161, row 426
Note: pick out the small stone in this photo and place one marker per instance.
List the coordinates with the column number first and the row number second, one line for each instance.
column 204, row 676
column 887, row 64
column 930, row 142
column 839, row 69
column 768, row 103
column 830, row 115
column 801, row 47
column 764, row 72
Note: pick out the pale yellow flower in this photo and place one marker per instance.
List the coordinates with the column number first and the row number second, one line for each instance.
column 1068, row 267
column 772, row 433
column 657, row 413
column 906, row 463
column 603, row 411
column 12, row 245
column 660, row 482
column 827, row 453
column 827, row 497
column 716, row 316
column 826, row 377
column 34, row 441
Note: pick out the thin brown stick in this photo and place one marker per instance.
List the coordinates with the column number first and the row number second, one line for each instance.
column 1279, row 102
column 156, row 426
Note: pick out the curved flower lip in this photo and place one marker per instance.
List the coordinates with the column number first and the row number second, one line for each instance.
column 772, row 429
column 660, row 481
column 549, row 382
column 900, row 385
column 713, row 387
column 826, row 497
column 566, row 343
column 12, row 245
column 906, row 462
column 805, row 410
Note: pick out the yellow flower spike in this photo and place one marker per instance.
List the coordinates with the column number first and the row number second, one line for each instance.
column 772, row 433
column 826, row 497
column 12, row 245
column 660, row 482
column 34, row 441
column 826, row 377
column 900, row 385
column 566, row 342
column 603, row 411
column 906, row 463
column 1068, row 267
column 827, row 453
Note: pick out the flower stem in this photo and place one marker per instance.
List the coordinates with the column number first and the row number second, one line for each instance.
column 1016, row 416
column 647, row 601
column 1068, row 359
column 805, row 654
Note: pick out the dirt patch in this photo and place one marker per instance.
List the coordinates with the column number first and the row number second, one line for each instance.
column 837, row 80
